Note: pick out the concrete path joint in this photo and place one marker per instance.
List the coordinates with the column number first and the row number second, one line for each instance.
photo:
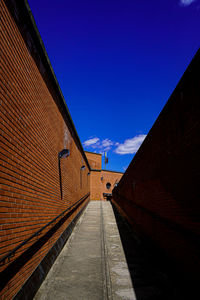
column 92, row 264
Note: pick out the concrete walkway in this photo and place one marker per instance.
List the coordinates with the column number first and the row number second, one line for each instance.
column 92, row 265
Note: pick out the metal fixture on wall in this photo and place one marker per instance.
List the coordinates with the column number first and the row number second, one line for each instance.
column 62, row 154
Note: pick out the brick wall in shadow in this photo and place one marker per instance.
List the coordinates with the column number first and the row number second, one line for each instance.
column 159, row 192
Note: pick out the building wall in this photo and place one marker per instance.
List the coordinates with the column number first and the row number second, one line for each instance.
column 99, row 177
column 95, row 185
column 109, row 177
column 35, row 127
column 159, row 192
column 95, row 160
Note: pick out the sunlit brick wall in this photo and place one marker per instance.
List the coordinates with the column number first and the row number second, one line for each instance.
column 99, row 178
column 109, row 177
column 95, row 185
column 34, row 129
column 95, row 160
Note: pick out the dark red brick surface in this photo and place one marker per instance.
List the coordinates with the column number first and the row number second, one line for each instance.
column 159, row 192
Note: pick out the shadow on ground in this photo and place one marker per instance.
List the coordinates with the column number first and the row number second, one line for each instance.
column 150, row 277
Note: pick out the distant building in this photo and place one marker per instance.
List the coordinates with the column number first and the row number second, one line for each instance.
column 102, row 182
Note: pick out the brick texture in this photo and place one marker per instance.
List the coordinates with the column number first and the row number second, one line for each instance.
column 95, row 185
column 95, row 160
column 159, row 192
column 99, row 178
column 34, row 128
column 109, row 177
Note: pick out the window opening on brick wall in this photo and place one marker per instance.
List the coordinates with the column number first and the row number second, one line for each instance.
column 108, row 185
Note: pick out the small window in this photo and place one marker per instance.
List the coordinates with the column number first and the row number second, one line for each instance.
column 108, row 185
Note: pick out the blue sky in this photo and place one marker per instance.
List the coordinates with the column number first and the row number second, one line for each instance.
column 117, row 63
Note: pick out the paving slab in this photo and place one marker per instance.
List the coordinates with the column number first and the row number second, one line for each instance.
column 92, row 264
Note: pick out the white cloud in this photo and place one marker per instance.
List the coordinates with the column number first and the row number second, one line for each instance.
column 186, row 2
column 90, row 142
column 130, row 146
column 107, row 144
column 97, row 144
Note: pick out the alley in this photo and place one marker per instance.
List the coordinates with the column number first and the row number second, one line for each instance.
column 92, row 264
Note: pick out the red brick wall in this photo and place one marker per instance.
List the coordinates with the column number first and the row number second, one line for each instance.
column 95, row 185
column 34, row 129
column 99, row 177
column 159, row 193
column 95, row 160
column 111, row 177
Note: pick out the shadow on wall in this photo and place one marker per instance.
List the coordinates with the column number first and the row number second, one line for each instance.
column 159, row 192
column 149, row 269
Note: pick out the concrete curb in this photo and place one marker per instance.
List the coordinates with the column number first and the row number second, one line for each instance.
column 119, row 282
column 92, row 265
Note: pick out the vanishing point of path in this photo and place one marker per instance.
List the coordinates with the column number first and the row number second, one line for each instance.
column 92, row 265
